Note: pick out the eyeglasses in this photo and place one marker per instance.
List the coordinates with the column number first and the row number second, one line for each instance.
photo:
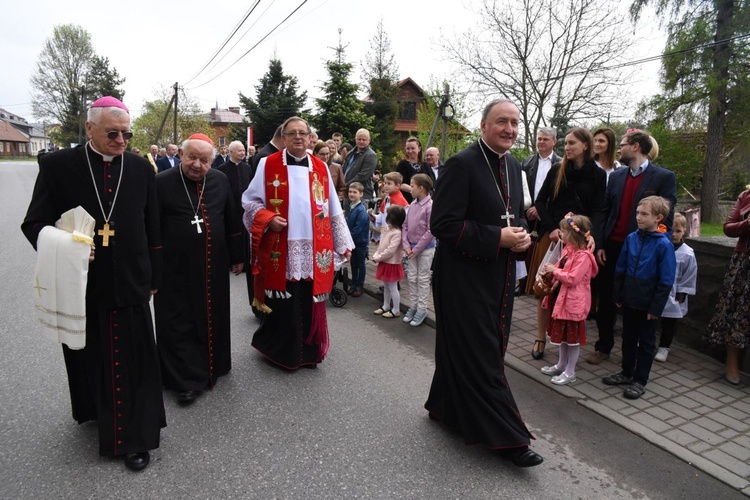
column 296, row 134
column 623, row 144
column 114, row 134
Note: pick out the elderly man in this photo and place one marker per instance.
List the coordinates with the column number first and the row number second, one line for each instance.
column 170, row 160
column 250, row 154
column 202, row 236
column 299, row 237
column 115, row 379
column 479, row 222
column 239, row 176
column 359, row 165
column 431, row 165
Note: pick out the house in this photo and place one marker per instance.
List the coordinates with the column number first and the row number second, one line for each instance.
column 35, row 137
column 221, row 119
column 12, row 142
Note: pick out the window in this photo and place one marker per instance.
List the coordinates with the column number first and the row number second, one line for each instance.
column 407, row 111
column 222, row 141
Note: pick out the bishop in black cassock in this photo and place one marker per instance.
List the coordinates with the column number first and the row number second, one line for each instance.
column 202, row 236
column 479, row 196
column 115, row 379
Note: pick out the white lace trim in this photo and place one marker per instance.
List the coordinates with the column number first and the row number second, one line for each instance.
column 342, row 239
column 299, row 263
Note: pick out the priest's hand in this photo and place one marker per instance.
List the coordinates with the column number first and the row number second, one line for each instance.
column 347, row 256
column 237, row 268
column 277, row 224
column 515, row 238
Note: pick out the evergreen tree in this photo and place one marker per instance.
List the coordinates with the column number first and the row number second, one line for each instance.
column 380, row 72
column 340, row 110
column 103, row 81
column 277, row 98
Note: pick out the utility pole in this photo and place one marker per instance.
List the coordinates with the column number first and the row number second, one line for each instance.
column 440, row 111
column 446, row 116
column 174, row 140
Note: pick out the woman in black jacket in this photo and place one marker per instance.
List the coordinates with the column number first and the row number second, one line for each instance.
column 577, row 185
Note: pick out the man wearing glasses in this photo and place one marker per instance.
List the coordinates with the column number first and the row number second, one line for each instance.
column 115, row 378
column 626, row 187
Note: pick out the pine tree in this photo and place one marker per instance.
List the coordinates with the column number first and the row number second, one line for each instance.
column 277, row 98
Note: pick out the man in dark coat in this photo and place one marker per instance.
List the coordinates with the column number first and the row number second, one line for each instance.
column 275, row 145
column 221, row 158
column 115, row 379
column 202, row 236
column 170, row 160
column 238, row 174
column 481, row 228
column 359, row 165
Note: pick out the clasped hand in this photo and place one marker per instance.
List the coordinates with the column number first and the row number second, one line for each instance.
column 515, row 238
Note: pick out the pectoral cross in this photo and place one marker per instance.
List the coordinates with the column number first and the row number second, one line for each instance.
column 508, row 217
column 197, row 223
column 105, row 233
column 37, row 287
column 275, row 201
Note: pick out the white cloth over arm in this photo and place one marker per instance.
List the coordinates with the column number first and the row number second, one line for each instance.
column 61, row 276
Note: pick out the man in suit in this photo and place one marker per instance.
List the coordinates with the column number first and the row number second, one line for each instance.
column 222, row 157
column 169, row 161
column 538, row 165
column 359, row 165
column 275, row 145
column 431, row 165
column 626, row 187
column 153, row 156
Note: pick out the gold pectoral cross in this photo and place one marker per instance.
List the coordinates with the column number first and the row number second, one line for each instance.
column 105, row 233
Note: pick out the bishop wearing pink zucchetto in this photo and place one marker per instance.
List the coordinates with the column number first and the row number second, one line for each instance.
column 114, row 379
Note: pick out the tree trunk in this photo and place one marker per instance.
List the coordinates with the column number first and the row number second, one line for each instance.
column 717, row 109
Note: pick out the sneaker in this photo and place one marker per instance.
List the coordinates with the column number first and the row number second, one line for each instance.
column 634, row 391
column 392, row 314
column 661, row 354
column 380, row 311
column 596, row 357
column 552, row 370
column 563, row 379
column 410, row 315
column 618, row 379
column 419, row 318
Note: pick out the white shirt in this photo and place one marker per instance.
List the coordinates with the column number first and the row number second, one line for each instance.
column 435, row 171
column 545, row 165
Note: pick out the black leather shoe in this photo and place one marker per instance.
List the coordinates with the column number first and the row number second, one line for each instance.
column 522, row 457
column 187, row 397
column 538, row 353
column 313, row 366
column 137, row 461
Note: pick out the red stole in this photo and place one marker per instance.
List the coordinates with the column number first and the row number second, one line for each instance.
column 270, row 248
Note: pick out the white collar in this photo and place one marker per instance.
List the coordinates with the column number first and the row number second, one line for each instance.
column 105, row 157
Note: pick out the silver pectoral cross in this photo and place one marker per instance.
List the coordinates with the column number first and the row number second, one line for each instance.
column 508, row 217
column 197, row 223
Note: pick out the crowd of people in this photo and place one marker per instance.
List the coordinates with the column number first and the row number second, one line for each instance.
column 594, row 236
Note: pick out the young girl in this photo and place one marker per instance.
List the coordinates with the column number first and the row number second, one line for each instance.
column 391, row 196
column 684, row 285
column 388, row 257
column 572, row 301
column 419, row 246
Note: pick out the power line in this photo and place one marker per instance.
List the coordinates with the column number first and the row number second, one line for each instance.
column 234, row 32
column 254, row 46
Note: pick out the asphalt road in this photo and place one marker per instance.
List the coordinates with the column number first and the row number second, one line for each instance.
column 354, row 428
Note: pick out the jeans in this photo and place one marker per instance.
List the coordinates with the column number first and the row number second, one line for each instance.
column 638, row 344
column 359, row 256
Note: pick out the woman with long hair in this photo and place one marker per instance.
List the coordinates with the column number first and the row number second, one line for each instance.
column 576, row 185
column 410, row 165
column 605, row 149
column 323, row 151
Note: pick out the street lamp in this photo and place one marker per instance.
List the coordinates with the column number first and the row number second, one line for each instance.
column 448, row 113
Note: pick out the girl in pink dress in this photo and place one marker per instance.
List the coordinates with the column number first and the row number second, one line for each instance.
column 389, row 255
column 571, row 301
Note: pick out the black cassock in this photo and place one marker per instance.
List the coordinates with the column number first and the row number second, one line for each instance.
column 239, row 176
column 192, row 305
column 115, row 378
column 473, row 286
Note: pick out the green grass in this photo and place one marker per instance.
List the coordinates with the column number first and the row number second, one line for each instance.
column 711, row 229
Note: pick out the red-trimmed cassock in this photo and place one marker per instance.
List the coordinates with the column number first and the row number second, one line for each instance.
column 294, row 268
column 115, row 378
column 473, row 287
column 192, row 305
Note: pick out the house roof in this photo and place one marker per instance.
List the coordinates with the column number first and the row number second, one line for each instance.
column 9, row 133
column 408, row 80
column 224, row 116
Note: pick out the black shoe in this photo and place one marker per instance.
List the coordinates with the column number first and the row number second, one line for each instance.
column 313, row 366
column 538, row 354
column 137, row 461
column 618, row 379
column 522, row 457
column 187, row 397
column 634, row 391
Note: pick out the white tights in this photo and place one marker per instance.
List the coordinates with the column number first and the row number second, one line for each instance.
column 391, row 293
column 568, row 358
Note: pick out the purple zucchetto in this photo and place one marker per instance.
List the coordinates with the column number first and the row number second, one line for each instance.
column 109, row 102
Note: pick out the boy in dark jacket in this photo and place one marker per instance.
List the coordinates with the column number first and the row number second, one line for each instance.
column 359, row 227
column 643, row 278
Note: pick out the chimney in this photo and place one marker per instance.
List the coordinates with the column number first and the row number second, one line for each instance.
column 235, row 109
column 213, row 114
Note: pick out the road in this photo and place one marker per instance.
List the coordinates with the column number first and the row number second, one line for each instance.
column 354, row 428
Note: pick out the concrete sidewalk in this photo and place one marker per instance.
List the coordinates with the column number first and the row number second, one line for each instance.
column 688, row 410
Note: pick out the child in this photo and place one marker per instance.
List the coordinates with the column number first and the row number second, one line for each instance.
column 391, row 196
column 572, row 301
column 388, row 256
column 644, row 275
column 419, row 246
column 684, row 285
column 359, row 227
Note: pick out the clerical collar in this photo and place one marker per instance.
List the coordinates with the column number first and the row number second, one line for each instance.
column 488, row 147
column 297, row 160
column 105, row 157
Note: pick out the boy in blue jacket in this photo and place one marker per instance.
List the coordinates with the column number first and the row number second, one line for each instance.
column 644, row 275
column 359, row 227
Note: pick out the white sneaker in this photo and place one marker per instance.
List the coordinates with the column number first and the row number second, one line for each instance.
column 419, row 318
column 410, row 314
column 661, row 354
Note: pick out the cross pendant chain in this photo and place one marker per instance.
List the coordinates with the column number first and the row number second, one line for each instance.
column 197, row 223
column 105, row 233
column 508, row 217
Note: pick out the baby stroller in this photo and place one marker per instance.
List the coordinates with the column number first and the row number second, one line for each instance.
column 338, row 295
